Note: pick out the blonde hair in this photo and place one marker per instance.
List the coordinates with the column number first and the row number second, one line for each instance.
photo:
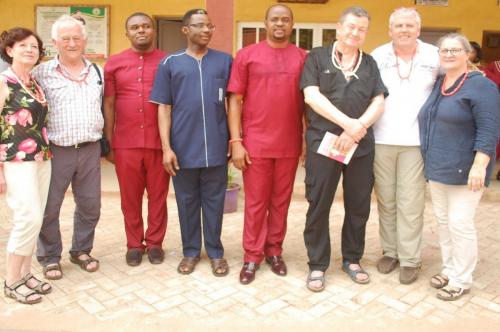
column 405, row 11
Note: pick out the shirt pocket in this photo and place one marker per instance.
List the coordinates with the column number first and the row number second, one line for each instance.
column 218, row 94
column 327, row 83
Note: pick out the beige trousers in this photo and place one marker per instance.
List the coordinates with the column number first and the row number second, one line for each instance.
column 455, row 207
column 27, row 190
column 400, row 190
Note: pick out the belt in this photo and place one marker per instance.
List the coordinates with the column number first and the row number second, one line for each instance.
column 74, row 146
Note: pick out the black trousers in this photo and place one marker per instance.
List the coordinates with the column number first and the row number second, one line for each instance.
column 322, row 177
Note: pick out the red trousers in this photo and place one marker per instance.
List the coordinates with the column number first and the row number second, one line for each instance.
column 139, row 169
column 268, row 186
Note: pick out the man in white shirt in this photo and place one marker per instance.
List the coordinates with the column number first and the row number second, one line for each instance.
column 73, row 87
column 409, row 69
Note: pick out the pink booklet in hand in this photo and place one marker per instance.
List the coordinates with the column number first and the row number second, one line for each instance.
column 327, row 148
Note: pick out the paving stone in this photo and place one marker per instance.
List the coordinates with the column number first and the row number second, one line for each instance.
column 91, row 305
column 393, row 303
column 158, row 294
column 421, row 309
column 486, row 304
column 271, row 306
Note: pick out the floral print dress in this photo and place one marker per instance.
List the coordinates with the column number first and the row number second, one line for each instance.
column 23, row 124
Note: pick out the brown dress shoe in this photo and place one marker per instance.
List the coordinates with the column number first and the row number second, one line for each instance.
column 387, row 264
column 408, row 274
column 278, row 265
column 134, row 256
column 156, row 255
column 247, row 273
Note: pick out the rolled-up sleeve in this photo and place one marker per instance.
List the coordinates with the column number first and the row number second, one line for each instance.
column 485, row 106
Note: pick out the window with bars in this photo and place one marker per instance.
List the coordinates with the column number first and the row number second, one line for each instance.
column 304, row 35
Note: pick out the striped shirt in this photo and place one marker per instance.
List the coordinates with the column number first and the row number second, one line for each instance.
column 74, row 105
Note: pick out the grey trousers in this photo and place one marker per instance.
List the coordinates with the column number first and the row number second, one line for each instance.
column 81, row 168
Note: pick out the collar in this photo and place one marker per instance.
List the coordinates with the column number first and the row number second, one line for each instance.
column 390, row 50
column 86, row 62
column 138, row 54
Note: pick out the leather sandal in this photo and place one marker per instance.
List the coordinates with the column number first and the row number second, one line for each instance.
column 451, row 293
column 12, row 292
column 438, row 281
column 187, row 265
column 40, row 287
column 219, row 264
column 354, row 273
column 52, row 267
column 84, row 263
column 310, row 279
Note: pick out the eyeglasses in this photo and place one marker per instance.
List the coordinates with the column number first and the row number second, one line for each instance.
column 452, row 51
column 202, row 26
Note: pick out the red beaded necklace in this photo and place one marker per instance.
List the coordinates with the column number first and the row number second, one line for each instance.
column 443, row 89
column 70, row 77
column 401, row 77
column 31, row 87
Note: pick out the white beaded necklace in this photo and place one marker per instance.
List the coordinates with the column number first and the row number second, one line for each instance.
column 337, row 63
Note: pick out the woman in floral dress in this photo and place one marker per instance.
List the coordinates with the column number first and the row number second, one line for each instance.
column 24, row 159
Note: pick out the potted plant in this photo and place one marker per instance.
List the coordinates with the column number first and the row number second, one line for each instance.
column 232, row 191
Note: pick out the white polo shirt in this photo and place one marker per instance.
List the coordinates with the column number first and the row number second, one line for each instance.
column 398, row 125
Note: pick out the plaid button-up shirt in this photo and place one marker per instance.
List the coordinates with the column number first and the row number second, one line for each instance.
column 74, row 105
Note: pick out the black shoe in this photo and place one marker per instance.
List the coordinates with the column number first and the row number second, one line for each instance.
column 156, row 255
column 134, row 256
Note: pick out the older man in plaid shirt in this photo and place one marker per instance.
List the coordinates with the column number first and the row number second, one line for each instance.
column 73, row 88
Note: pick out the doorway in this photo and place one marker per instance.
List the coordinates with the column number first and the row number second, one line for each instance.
column 490, row 46
column 170, row 38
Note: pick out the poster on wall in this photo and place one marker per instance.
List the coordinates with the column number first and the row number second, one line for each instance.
column 432, row 2
column 95, row 18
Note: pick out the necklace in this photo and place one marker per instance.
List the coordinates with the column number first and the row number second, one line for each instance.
column 34, row 90
column 443, row 90
column 401, row 77
column 71, row 77
column 348, row 71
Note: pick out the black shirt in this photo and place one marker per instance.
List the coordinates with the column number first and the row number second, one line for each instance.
column 351, row 97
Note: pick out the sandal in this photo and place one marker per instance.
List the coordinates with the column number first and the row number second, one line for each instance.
column 438, row 281
column 310, row 278
column 84, row 263
column 11, row 291
column 451, row 293
column 219, row 264
column 52, row 267
column 354, row 273
column 187, row 265
column 39, row 288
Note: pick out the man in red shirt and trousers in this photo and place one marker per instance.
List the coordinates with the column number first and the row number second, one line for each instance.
column 265, row 121
column 132, row 123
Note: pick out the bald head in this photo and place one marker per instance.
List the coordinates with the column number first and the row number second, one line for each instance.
column 276, row 6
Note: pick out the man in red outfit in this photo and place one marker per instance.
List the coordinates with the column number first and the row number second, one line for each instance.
column 132, row 122
column 265, row 122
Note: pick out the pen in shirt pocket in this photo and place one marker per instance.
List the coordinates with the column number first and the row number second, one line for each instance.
column 221, row 94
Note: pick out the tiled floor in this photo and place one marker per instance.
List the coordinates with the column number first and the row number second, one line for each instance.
column 156, row 297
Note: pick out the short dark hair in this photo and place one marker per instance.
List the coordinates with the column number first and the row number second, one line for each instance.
column 356, row 11
column 10, row 37
column 477, row 48
column 278, row 5
column 187, row 17
column 138, row 14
